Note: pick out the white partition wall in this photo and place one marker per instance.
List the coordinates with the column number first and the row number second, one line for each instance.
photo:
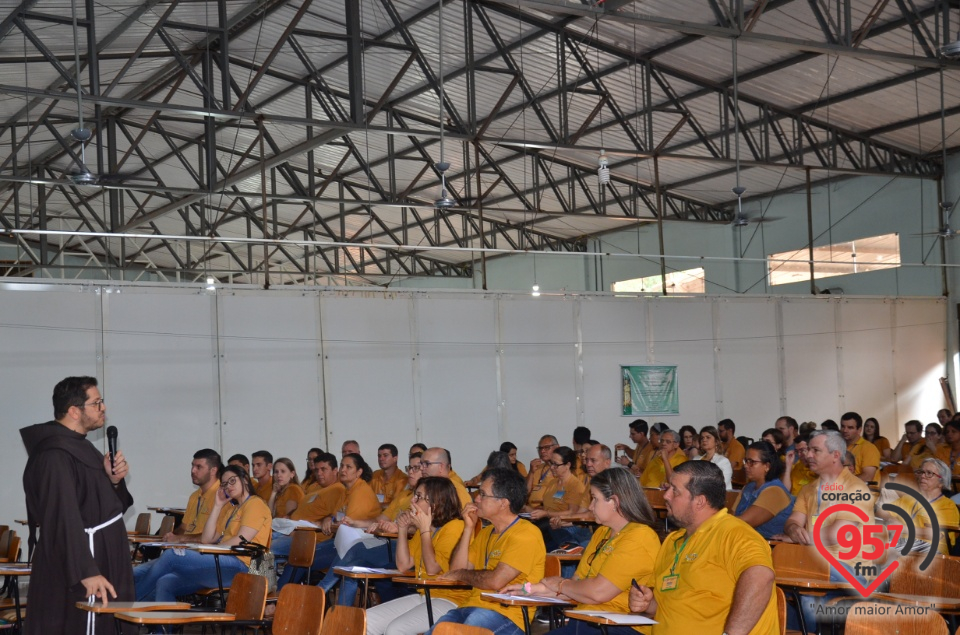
column 245, row 369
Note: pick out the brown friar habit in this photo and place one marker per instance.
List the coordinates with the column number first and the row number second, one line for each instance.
column 67, row 490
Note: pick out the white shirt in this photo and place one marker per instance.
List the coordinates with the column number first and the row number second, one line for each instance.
column 724, row 464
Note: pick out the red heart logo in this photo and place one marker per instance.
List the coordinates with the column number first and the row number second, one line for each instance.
column 864, row 591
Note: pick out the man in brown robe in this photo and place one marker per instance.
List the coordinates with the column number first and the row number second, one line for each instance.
column 71, row 490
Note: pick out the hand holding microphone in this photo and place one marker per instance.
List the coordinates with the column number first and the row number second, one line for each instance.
column 114, row 463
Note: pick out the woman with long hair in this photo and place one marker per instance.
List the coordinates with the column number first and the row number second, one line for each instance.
column 622, row 549
column 435, row 518
column 765, row 502
column 690, row 442
column 710, row 451
column 236, row 515
column 871, row 432
column 287, row 493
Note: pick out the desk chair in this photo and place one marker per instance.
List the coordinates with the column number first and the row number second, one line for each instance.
column 299, row 610
column 449, row 628
column 345, row 620
column 142, row 526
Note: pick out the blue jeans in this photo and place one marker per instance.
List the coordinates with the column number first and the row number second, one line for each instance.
column 173, row 575
column 578, row 627
column 358, row 556
column 280, row 545
column 484, row 618
column 322, row 559
column 809, row 604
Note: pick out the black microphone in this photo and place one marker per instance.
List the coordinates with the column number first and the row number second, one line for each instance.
column 112, row 444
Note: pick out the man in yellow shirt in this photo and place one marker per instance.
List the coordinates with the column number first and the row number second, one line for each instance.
column 834, row 485
column 949, row 452
column 865, row 454
column 509, row 550
column 660, row 468
column 241, row 460
column 205, row 474
column 388, row 480
column 349, row 447
column 263, row 472
column 732, row 449
column 436, row 462
column 539, row 476
column 714, row 574
column 798, row 471
column 637, row 460
column 912, row 448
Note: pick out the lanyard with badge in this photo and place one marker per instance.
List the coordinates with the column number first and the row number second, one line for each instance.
column 670, row 582
column 486, row 560
column 230, row 518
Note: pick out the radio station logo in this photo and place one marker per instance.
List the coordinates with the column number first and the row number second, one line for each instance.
column 863, row 547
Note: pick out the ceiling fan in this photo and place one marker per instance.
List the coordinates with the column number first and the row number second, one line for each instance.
column 742, row 220
column 945, row 232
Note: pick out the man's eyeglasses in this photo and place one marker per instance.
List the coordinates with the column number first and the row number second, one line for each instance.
column 414, row 468
column 549, row 446
column 425, row 464
column 483, row 494
column 229, row 483
column 98, row 403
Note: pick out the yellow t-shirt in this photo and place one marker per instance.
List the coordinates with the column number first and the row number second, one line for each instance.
column 264, row 488
column 522, row 469
column 655, row 473
column 453, row 476
column 882, row 443
column 462, row 494
column 198, row 509
column 945, row 454
column 635, row 548
column 943, row 508
column 800, row 475
column 519, row 546
column 444, row 541
column 735, row 452
column 915, row 454
column 292, row 492
column 361, row 503
column 811, row 501
column 642, row 454
column 252, row 513
column 541, row 479
column 559, row 496
column 318, row 504
column 865, row 454
column 400, row 503
column 709, row 565
column 388, row 487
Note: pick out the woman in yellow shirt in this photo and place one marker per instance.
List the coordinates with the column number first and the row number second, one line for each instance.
column 236, row 514
column 933, row 480
column 287, row 493
column 435, row 515
column 622, row 549
column 871, row 432
column 561, row 496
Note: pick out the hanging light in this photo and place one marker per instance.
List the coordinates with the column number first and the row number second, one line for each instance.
column 536, row 291
column 603, row 171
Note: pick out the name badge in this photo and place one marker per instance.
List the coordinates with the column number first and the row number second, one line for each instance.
column 559, row 495
column 670, row 582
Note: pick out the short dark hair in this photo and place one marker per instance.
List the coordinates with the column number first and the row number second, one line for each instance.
column 852, row 415
column 581, row 435
column 727, row 424
column 915, row 423
column 830, row 424
column 326, row 457
column 508, row 485
column 422, row 446
column 212, row 457
column 706, row 479
column 316, row 451
column 568, row 456
column 952, row 424
column 791, row 422
column 239, row 457
column 263, row 454
column 444, row 502
column 360, row 464
column 498, row 459
column 389, row 446
column 639, row 425
column 776, row 434
column 769, row 456
column 802, row 438
column 659, row 427
column 70, row 392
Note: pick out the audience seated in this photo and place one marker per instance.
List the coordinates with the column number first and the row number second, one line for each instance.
column 389, row 479
column 349, row 447
column 644, row 449
column 731, row 448
column 796, row 466
column 262, row 471
column 765, row 502
column 871, row 432
column 949, row 452
column 562, row 495
column 668, row 457
column 710, row 451
column 711, row 560
column 866, row 455
column 689, row 442
column 539, row 475
column 436, row 462
column 912, row 448
column 241, row 460
column 509, row 550
column 623, row 549
column 310, row 482
column 244, row 516
column 287, row 493
column 435, row 518
column 933, row 478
